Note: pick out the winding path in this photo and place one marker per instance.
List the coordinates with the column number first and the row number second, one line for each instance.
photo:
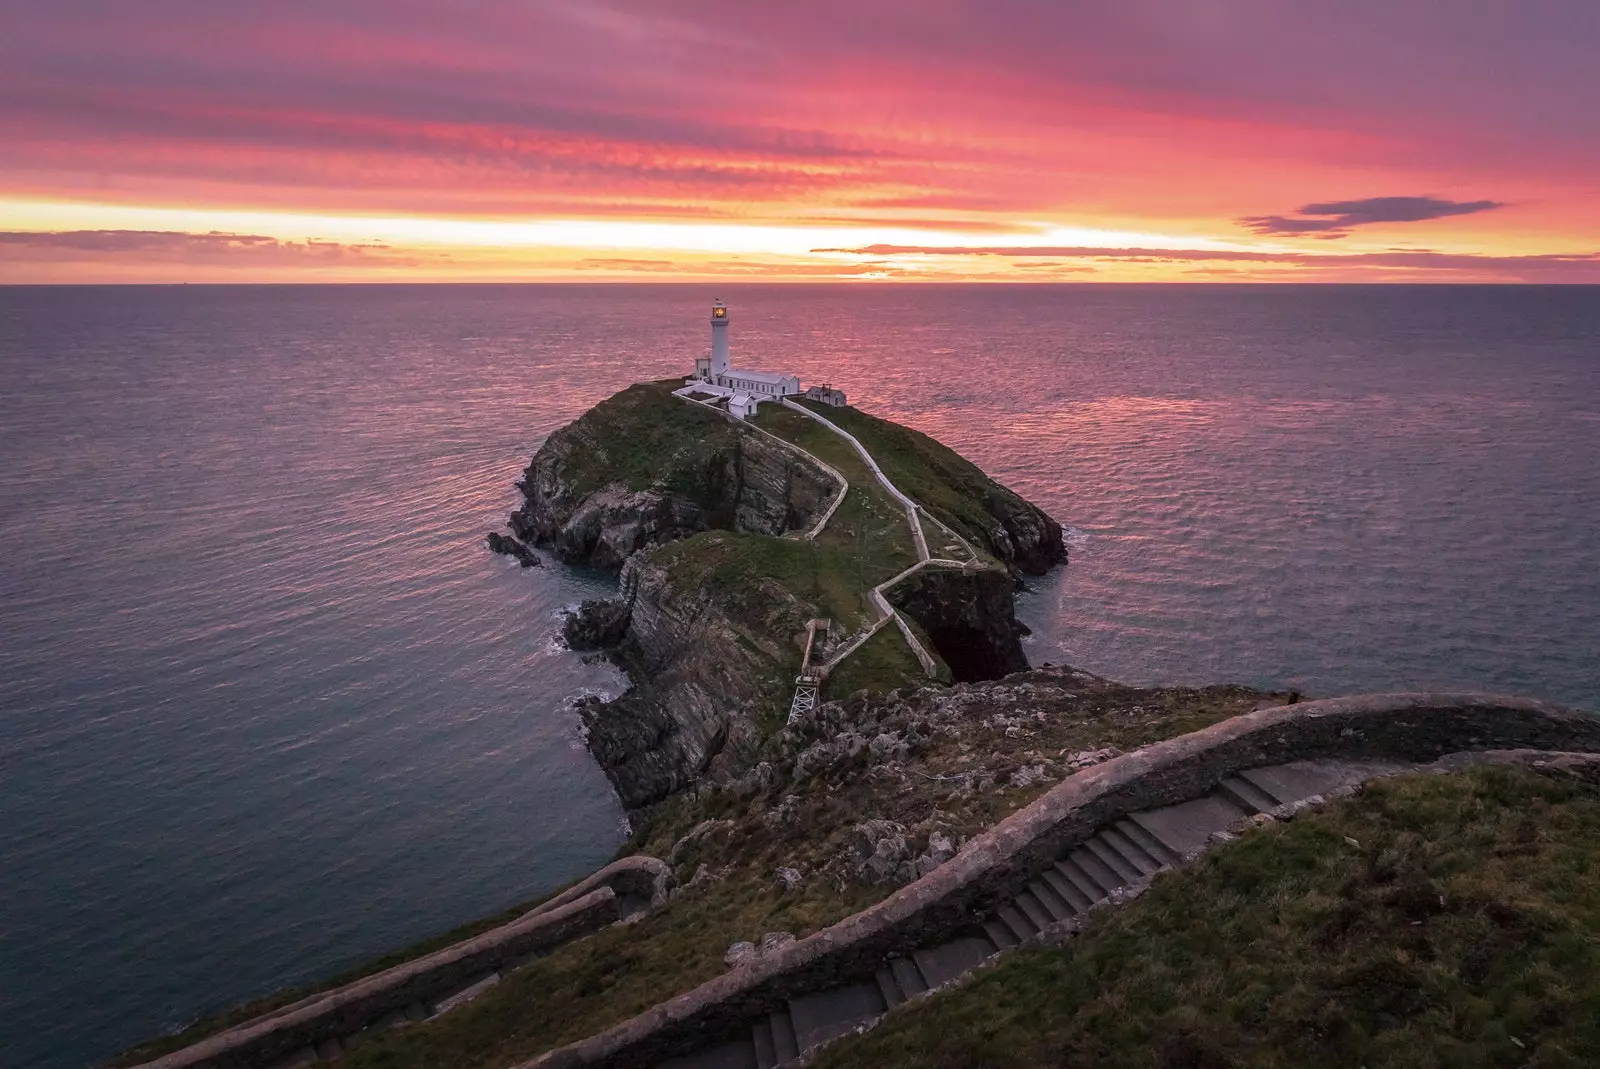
column 877, row 595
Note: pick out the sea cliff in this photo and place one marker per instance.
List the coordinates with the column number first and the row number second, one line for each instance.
column 729, row 537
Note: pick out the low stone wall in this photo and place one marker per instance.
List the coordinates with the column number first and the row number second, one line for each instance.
column 581, row 910
column 995, row 865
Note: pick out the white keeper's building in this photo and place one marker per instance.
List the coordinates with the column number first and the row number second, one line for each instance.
column 744, row 390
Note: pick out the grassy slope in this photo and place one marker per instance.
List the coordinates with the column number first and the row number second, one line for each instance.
column 644, row 431
column 881, row 664
column 1430, row 921
column 932, row 474
column 597, row 982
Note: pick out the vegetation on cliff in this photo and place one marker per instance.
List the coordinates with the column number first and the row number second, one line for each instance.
column 718, row 523
column 845, row 807
column 1428, row 921
column 956, row 491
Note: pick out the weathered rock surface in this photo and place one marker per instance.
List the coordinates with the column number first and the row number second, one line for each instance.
column 712, row 660
column 509, row 546
column 702, row 659
column 598, row 624
column 970, row 617
column 644, row 467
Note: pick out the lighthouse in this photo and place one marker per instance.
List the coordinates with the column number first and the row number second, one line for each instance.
column 716, row 378
column 719, row 339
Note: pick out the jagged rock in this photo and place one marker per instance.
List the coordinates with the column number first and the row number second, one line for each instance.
column 775, row 940
column 710, row 659
column 643, row 467
column 790, row 879
column 970, row 617
column 509, row 546
column 740, row 953
column 880, row 852
column 941, row 848
column 694, row 836
column 597, row 624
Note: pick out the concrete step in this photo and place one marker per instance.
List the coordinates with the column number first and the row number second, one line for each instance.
column 1096, row 870
column 1033, row 909
column 761, row 1039
column 1298, row 780
column 1130, row 851
column 1186, row 828
column 826, row 1015
column 1000, row 935
column 736, row 1054
column 1058, row 908
column 784, row 1044
column 1146, row 842
column 1246, row 795
column 1074, row 875
column 947, row 961
column 1126, row 871
column 1066, row 890
column 1020, row 926
column 908, row 976
column 888, row 987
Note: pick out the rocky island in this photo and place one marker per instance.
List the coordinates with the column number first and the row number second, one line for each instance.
column 857, row 809
column 730, row 536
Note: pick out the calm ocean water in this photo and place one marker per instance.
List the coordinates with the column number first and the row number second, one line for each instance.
column 268, row 707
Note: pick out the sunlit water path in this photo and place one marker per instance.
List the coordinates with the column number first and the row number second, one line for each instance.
column 268, row 708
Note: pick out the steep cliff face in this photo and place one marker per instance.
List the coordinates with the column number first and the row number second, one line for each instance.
column 714, row 605
column 644, row 467
column 970, row 617
column 712, row 663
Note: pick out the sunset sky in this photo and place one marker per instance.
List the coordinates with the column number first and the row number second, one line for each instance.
column 1047, row 140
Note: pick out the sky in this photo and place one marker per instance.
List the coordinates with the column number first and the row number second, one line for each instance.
column 936, row 140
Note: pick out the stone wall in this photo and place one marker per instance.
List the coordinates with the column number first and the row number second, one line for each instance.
column 580, row 910
column 996, row 864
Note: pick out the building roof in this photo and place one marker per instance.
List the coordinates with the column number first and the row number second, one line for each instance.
column 757, row 376
column 740, row 399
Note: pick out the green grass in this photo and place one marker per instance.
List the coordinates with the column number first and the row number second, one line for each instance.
column 882, row 663
column 643, row 436
column 761, row 575
column 934, row 475
column 1431, row 921
column 869, row 525
column 600, row 981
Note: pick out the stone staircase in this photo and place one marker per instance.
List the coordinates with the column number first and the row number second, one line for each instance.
column 1118, row 854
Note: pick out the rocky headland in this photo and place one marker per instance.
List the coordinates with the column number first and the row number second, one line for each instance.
column 713, row 528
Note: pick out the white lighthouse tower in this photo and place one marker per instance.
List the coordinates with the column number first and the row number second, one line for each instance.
column 719, row 339
column 715, row 377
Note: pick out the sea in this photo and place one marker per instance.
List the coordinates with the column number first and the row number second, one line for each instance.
column 269, row 707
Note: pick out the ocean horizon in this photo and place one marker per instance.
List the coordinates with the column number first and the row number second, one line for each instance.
column 269, row 708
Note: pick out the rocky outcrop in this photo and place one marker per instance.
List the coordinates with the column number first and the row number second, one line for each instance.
column 499, row 543
column 710, row 631
column 970, row 618
column 924, row 921
column 598, row 624
column 708, row 662
column 644, row 467
column 1023, row 536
